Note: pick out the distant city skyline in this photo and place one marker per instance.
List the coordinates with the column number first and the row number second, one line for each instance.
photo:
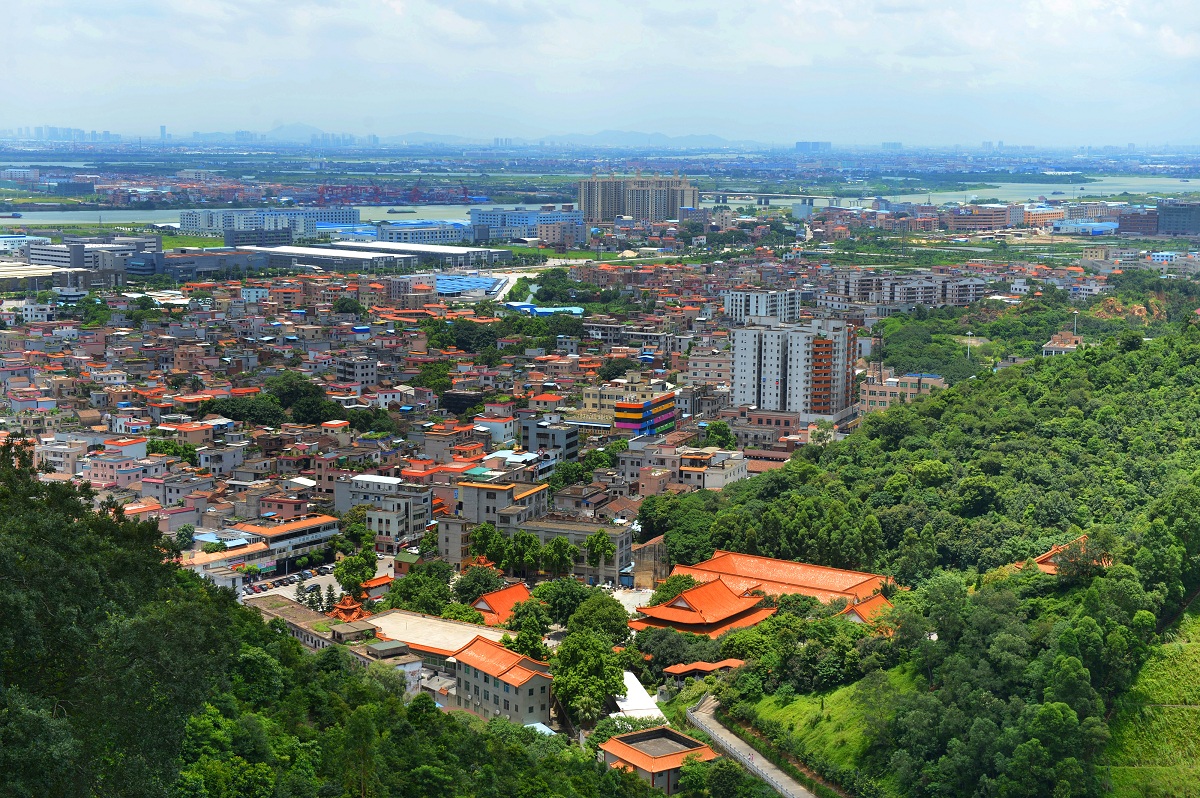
column 1077, row 72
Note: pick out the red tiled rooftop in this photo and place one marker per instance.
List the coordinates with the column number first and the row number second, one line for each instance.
column 496, row 607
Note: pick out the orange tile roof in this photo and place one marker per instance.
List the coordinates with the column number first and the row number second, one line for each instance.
column 702, row 666
column 711, row 608
column 780, row 577
column 623, row 747
column 497, row 661
column 348, row 610
column 291, row 526
column 496, row 607
column 869, row 610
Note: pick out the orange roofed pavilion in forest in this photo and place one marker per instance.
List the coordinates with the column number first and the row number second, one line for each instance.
column 707, row 609
column 746, row 572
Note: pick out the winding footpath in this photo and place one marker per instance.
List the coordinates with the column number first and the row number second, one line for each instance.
column 729, row 743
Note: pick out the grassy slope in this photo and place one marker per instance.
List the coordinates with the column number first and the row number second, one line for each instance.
column 833, row 724
column 1155, row 746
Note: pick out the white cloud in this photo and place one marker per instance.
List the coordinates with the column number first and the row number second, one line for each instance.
column 864, row 71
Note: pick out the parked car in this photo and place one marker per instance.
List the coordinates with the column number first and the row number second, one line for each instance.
column 311, row 588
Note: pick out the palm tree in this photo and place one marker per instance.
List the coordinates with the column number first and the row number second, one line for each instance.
column 587, row 709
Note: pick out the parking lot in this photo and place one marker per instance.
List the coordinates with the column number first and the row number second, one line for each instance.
column 384, row 566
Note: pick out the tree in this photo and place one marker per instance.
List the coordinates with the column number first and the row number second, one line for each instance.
column 352, row 571
column 349, row 305
column 330, row 599
column 524, row 553
column 184, row 451
column 530, row 611
column 419, row 592
column 586, row 673
column 213, row 547
column 617, row 367
column 718, row 434
column 671, row 587
column 602, row 614
column 599, row 549
column 429, row 543
column 311, row 410
column 528, row 642
column 462, row 612
column 725, row 779
column 487, row 541
column 184, row 536
column 562, row 597
column 559, row 556
column 475, row 582
column 290, row 387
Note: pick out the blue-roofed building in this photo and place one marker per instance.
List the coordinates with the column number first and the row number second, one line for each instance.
column 508, row 223
column 424, row 231
column 453, row 285
column 534, row 310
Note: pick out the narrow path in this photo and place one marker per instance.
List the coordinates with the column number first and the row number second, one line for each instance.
column 729, row 743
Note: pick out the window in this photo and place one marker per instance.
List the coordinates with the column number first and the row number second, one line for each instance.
column 506, row 688
column 496, row 699
column 530, row 692
column 506, row 703
column 486, row 695
column 543, row 707
column 543, row 692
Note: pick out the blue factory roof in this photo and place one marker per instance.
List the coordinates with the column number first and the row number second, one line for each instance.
column 456, row 284
column 424, row 222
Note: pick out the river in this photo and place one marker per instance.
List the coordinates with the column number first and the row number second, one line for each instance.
column 369, row 213
column 1008, row 192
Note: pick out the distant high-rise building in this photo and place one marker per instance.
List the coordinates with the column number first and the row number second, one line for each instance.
column 652, row 199
column 892, row 145
column 811, row 147
column 1179, row 218
column 162, row 132
column 795, row 368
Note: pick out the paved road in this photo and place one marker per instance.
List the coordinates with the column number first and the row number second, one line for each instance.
column 729, row 743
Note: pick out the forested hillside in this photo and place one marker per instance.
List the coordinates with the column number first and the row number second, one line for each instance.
column 1008, row 672
column 936, row 341
column 121, row 675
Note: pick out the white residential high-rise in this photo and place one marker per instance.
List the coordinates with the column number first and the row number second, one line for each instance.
column 806, row 369
column 783, row 305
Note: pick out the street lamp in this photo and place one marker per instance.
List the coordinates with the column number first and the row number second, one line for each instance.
column 1075, row 330
column 969, row 335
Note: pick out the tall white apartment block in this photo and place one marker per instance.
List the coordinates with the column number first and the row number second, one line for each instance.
column 783, row 305
column 807, row 369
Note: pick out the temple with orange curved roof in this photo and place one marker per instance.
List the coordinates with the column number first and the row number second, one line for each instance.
column 709, row 609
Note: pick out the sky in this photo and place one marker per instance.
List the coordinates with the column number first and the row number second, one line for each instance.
column 1065, row 72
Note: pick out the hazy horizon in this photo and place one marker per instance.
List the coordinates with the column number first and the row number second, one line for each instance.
column 1078, row 72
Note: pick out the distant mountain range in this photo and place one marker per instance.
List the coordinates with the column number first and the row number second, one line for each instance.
column 301, row 133
column 628, row 138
